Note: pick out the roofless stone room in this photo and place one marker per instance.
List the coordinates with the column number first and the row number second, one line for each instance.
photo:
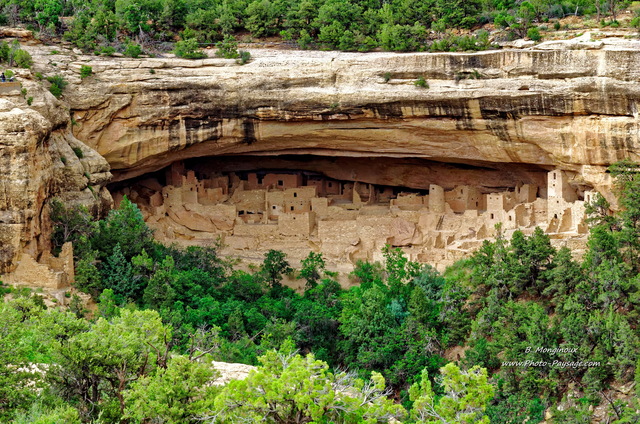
column 349, row 208
column 327, row 211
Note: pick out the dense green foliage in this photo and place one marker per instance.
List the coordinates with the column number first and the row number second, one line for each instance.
column 13, row 55
column 188, row 49
column 537, row 326
column 466, row 394
column 290, row 388
column 120, row 369
column 58, row 84
column 397, row 25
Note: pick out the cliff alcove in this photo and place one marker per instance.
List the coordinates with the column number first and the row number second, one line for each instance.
column 354, row 118
column 348, row 208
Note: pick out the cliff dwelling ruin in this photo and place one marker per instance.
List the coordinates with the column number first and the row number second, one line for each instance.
column 261, row 203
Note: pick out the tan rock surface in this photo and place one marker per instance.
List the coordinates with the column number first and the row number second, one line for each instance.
column 231, row 371
column 35, row 143
column 492, row 118
column 567, row 109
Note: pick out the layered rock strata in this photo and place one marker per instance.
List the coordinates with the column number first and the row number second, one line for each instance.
column 498, row 118
column 575, row 110
column 41, row 159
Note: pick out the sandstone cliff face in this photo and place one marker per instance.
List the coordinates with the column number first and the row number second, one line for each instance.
column 573, row 109
column 495, row 119
column 37, row 162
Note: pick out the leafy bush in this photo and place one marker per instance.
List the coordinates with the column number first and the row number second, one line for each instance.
column 85, row 71
column 58, row 80
column 244, row 57
column 107, row 51
column 23, row 59
column 533, row 33
column 55, row 90
column 227, row 48
column 133, row 50
column 78, row 152
column 189, row 49
column 504, row 20
column 635, row 23
column 421, row 82
column 29, row 101
column 8, row 73
column 4, row 51
column 58, row 84
column 305, row 40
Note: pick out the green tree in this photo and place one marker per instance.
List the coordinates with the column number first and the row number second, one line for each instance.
column 227, row 48
column 118, row 275
column 4, row 51
column 175, row 395
column 289, row 388
column 598, row 212
column 88, row 277
column 135, row 15
column 400, row 270
column 562, row 276
column 23, row 59
column 274, row 267
column 73, row 224
column 124, row 226
column 466, row 395
column 173, row 14
column 47, row 12
column 458, row 13
column 312, row 268
column 402, row 37
column 108, row 304
column 95, row 367
column 14, row 364
column 159, row 292
column 368, row 327
column 627, row 177
column 189, row 49
column 39, row 414
column 262, row 17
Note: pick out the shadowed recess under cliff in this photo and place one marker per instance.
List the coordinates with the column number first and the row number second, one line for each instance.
column 348, row 208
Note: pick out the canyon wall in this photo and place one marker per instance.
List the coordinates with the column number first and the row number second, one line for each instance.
column 575, row 110
column 41, row 159
column 492, row 119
